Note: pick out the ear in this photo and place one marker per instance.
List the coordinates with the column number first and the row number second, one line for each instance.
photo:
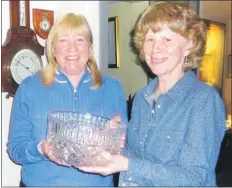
column 188, row 47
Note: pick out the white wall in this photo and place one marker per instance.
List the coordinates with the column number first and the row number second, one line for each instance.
column 123, row 11
column 91, row 10
column 129, row 74
column 103, row 42
column 139, row 77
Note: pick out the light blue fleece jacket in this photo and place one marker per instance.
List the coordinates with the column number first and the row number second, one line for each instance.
column 28, row 125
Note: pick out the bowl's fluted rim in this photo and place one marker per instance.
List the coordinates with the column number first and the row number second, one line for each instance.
column 50, row 114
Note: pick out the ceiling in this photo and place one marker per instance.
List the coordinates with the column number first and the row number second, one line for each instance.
column 216, row 10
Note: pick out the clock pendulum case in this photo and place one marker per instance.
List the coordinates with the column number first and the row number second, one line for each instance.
column 21, row 52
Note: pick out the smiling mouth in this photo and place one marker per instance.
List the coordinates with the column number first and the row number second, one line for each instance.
column 158, row 60
column 72, row 57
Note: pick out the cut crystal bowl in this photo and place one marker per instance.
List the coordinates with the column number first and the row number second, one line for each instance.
column 79, row 139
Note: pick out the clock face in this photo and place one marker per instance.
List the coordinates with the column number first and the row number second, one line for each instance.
column 24, row 63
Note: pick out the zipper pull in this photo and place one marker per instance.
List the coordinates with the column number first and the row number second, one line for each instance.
column 75, row 94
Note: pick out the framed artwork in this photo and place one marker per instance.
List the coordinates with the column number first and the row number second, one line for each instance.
column 113, row 43
column 229, row 67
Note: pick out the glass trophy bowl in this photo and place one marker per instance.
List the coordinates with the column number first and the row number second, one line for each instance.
column 79, row 138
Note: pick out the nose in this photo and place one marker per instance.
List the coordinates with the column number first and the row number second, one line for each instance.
column 72, row 46
column 157, row 45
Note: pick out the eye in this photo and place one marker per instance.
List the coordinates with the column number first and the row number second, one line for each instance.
column 149, row 39
column 167, row 39
column 63, row 40
column 80, row 39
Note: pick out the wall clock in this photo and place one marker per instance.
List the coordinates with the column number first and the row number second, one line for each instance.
column 21, row 52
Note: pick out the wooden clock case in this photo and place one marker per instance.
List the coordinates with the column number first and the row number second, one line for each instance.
column 18, row 38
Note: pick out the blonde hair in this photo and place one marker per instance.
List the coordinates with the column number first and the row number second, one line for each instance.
column 181, row 19
column 72, row 23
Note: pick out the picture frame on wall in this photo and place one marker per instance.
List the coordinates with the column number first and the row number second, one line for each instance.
column 229, row 67
column 113, row 43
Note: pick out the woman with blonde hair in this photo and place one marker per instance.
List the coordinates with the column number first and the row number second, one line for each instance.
column 70, row 82
column 177, row 121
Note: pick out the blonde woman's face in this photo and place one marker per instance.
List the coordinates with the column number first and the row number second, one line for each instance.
column 71, row 51
column 165, row 51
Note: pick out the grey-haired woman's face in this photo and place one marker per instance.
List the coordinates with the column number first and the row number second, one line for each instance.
column 71, row 51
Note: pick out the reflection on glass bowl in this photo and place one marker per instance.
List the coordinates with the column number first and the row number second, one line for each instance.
column 79, row 138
